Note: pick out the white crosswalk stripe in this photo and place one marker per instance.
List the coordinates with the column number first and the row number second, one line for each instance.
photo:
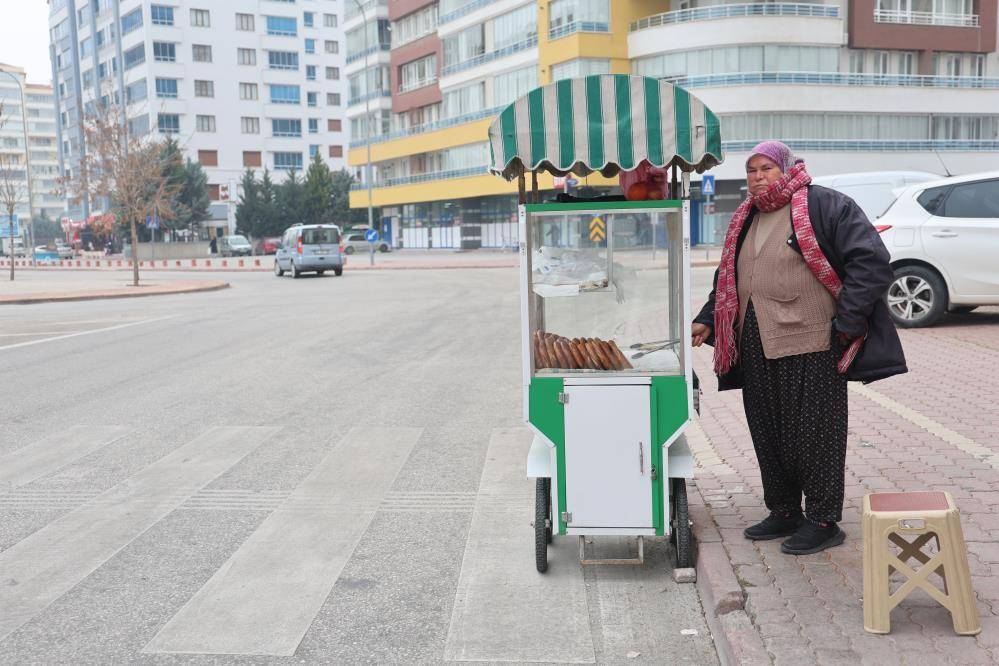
column 47, row 455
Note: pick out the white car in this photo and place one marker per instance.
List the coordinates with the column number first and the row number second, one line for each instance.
column 874, row 191
column 943, row 236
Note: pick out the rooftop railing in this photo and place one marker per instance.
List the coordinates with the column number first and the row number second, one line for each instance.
column 528, row 43
column 736, row 11
column 925, row 18
column 577, row 26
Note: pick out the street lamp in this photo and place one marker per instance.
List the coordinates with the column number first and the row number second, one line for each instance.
column 27, row 164
column 367, row 114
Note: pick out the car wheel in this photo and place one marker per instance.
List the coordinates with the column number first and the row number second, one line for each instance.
column 320, row 273
column 348, row 250
column 383, row 248
column 277, row 269
column 917, row 297
column 295, row 273
column 338, row 271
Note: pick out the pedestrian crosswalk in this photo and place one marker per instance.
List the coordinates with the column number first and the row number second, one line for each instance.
column 51, row 453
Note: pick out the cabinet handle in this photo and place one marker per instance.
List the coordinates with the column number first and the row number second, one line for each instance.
column 641, row 459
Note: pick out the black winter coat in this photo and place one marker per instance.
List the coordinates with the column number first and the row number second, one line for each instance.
column 855, row 250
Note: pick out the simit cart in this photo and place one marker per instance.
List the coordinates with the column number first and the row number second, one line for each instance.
column 605, row 306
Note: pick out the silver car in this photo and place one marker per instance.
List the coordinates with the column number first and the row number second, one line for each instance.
column 309, row 248
column 355, row 242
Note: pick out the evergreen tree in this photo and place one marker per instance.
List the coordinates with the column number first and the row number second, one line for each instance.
column 273, row 222
column 249, row 209
column 289, row 199
column 189, row 184
column 341, row 213
column 318, row 193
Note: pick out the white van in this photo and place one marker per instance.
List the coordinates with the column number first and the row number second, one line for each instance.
column 874, row 190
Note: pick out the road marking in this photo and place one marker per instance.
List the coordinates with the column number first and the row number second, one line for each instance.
column 79, row 333
column 504, row 610
column 34, row 461
column 265, row 597
column 926, row 423
column 42, row 567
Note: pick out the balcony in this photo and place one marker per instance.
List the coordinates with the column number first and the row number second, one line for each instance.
column 925, row 18
column 425, row 177
column 416, row 85
column 351, row 10
column 462, row 11
column 834, row 79
column 354, row 57
column 373, row 94
column 430, row 127
column 577, row 26
column 528, row 43
column 735, row 11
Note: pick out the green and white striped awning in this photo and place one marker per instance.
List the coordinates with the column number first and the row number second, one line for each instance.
column 606, row 123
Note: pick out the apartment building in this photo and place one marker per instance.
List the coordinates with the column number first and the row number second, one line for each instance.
column 239, row 84
column 37, row 109
column 852, row 85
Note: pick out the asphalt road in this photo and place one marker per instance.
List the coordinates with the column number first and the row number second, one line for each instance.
column 319, row 470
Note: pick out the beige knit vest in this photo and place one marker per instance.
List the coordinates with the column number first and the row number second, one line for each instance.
column 792, row 307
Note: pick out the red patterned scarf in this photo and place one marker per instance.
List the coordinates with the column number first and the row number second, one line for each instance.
column 791, row 188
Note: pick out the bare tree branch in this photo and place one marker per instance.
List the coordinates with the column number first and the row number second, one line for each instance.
column 13, row 184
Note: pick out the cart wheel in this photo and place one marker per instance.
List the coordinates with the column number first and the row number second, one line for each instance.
column 542, row 523
column 679, row 520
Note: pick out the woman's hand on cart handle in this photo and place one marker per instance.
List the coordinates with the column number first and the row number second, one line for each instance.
column 699, row 333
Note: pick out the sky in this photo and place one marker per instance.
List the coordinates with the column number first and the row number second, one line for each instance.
column 24, row 37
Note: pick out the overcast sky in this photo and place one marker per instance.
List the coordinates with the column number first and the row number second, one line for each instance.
column 24, row 37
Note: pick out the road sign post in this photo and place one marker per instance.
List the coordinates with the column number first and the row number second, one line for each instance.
column 371, row 235
column 598, row 230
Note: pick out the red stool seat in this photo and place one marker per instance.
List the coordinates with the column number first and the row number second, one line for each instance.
column 925, row 501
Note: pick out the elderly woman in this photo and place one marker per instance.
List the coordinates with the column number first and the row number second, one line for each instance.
column 797, row 309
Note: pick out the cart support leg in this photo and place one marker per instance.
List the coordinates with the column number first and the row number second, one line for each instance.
column 633, row 560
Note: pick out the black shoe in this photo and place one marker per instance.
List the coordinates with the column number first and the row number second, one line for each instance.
column 774, row 526
column 813, row 537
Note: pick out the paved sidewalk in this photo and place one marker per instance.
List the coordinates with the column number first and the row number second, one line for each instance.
column 31, row 286
column 934, row 428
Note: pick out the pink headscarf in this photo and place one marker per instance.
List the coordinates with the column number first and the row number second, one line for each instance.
column 777, row 151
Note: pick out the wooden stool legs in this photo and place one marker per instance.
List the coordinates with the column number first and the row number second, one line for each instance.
column 911, row 530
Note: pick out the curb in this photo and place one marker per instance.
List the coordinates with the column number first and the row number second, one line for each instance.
column 736, row 640
column 106, row 295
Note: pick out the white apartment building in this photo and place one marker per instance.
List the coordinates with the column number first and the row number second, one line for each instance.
column 37, row 108
column 239, row 84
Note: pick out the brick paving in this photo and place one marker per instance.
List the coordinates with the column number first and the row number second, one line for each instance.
column 935, row 428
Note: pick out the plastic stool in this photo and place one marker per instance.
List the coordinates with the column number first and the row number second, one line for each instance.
column 895, row 518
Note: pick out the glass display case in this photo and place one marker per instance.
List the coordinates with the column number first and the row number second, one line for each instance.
column 605, row 288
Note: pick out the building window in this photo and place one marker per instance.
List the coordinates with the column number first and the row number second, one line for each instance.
column 205, row 123
column 310, row 72
column 136, row 91
column 881, row 62
column 907, row 63
column 286, row 127
column 249, row 125
column 160, row 15
column 333, row 73
column 246, row 56
column 312, row 98
column 310, row 46
column 168, row 123
column 313, row 125
column 511, row 85
column 204, row 88
column 308, row 19
column 201, row 18
column 978, row 65
column 209, row 158
column 595, row 14
column 288, row 161
column 245, row 22
column 282, row 26
column 332, row 99
column 248, row 91
column 331, row 46
column 580, row 67
column 164, row 52
column 313, row 150
column 336, row 151
column 414, row 26
column 201, row 52
column 467, row 44
column 131, row 21
column 282, row 59
column 166, row 88
column 329, row 20
column 857, row 61
column 285, row 94
column 135, row 56
column 252, row 158
column 418, row 73
column 213, row 192
column 334, row 125
column 137, row 126
column 465, row 100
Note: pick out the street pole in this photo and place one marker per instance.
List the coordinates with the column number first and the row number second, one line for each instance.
column 367, row 116
column 27, row 165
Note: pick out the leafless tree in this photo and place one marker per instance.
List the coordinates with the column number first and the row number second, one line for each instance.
column 122, row 173
column 13, row 185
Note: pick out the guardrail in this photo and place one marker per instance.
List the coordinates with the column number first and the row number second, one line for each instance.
column 416, row 85
column 834, row 79
column 430, row 127
column 426, row 177
column 369, row 95
column 874, row 145
column 925, row 18
column 462, row 11
column 523, row 45
column 577, row 26
column 354, row 57
column 735, row 11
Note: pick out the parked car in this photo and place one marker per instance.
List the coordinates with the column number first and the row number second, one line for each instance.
column 308, row 248
column 64, row 250
column 874, row 191
column 943, row 236
column 235, row 246
column 355, row 242
column 268, row 245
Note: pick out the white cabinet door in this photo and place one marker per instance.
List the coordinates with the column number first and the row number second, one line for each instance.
column 608, row 456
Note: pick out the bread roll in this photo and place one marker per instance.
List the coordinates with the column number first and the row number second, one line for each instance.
column 622, row 360
column 541, row 359
column 596, row 356
column 577, row 355
column 550, row 350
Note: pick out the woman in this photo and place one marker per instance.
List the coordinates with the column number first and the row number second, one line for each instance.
column 797, row 310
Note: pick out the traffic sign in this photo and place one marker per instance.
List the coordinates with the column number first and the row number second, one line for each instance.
column 371, row 235
column 707, row 185
column 152, row 221
column 598, row 229
column 571, row 182
column 5, row 226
